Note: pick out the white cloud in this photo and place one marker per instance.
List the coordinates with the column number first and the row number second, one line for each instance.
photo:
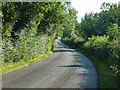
column 86, row 6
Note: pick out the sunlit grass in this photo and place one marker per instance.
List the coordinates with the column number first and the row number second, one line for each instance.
column 8, row 67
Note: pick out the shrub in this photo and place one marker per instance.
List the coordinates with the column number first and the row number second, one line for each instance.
column 113, row 32
column 97, row 45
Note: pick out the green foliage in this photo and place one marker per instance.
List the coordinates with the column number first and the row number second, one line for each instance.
column 98, row 34
column 69, row 26
column 98, row 46
column 88, row 25
column 26, row 47
column 11, row 13
column 31, row 28
column 113, row 32
column 98, row 23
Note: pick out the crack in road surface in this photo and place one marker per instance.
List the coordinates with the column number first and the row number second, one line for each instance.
column 66, row 68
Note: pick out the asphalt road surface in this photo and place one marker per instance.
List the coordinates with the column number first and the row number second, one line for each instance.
column 66, row 68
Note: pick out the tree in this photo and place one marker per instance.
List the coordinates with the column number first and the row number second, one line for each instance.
column 88, row 25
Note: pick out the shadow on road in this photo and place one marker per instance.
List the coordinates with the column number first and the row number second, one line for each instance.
column 59, row 47
column 72, row 66
column 63, row 51
column 76, row 56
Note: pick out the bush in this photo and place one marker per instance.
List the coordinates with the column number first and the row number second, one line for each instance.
column 27, row 46
column 113, row 32
column 97, row 45
column 115, row 57
column 74, row 42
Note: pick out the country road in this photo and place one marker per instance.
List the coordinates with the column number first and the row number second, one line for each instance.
column 66, row 68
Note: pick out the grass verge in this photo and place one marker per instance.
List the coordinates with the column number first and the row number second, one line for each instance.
column 107, row 79
column 9, row 67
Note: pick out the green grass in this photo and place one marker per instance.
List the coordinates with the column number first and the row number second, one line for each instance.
column 8, row 67
column 107, row 79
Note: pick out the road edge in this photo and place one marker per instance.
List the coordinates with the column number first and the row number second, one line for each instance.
column 96, row 68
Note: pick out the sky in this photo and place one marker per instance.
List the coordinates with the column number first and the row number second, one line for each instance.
column 87, row 6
